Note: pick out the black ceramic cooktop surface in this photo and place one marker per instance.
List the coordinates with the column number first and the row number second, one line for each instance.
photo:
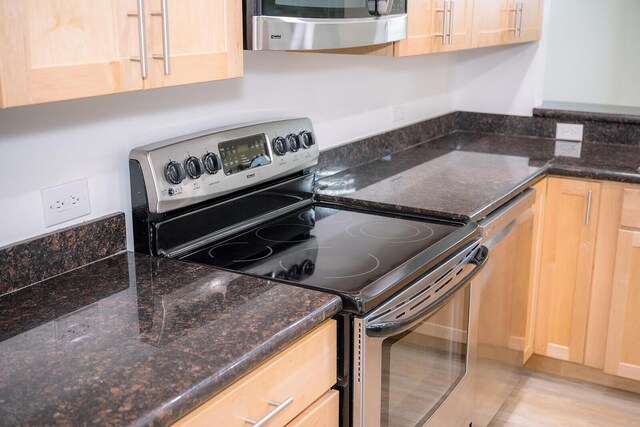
column 330, row 249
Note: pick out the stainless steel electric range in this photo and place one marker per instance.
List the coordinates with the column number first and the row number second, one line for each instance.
column 241, row 199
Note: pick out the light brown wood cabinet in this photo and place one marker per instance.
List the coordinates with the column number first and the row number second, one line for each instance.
column 436, row 26
column 498, row 22
column 566, row 265
column 622, row 355
column 588, row 298
column 297, row 380
column 66, row 49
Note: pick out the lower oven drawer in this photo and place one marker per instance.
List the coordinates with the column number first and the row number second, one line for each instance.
column 298, row 375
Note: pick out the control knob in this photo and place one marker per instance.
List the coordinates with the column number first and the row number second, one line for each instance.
column 174, row 172
column 194, row 167
column 293, row 142
column 306, row 139
column 211, row 163
column 279, row 146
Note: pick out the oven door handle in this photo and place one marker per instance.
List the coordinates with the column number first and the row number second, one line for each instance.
column 387, row 329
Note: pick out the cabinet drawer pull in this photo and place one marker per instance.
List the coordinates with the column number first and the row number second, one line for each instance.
column 586, row 221
column 278, row 408
column 142, row 29
column 166, row 55
column 451, row 3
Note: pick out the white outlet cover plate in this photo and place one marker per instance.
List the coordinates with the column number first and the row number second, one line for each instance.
column 65, row 202
column 569, row 132
column 568, row 149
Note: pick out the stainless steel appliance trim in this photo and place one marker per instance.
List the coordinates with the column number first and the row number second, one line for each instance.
column 504, row 215
column 153, row 158
column 283, row 33
column 412, row 303
column 142, row 30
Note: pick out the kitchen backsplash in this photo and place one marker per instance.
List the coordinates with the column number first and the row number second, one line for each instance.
column 597, row 129
column 28, row 262
column 610, row 129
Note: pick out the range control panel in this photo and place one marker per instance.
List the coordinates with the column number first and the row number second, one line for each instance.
column 183, row 171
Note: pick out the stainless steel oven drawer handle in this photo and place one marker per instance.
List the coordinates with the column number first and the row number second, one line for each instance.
column 278, row 408
column 387, row 329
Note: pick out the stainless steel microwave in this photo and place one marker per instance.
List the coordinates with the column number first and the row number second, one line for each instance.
column 322, row 24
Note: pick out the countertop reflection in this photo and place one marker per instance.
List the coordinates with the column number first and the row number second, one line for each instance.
column 140, row 340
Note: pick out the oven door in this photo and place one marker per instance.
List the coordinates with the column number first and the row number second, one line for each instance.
column 414, row 354
column 323, row 24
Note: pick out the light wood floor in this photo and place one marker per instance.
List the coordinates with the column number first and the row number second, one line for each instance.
column 545, row 400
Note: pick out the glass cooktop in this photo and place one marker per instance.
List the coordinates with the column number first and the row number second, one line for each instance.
column 325, row 248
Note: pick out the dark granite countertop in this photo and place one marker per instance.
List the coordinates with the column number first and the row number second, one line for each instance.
column 138, row 340
column 465, row 175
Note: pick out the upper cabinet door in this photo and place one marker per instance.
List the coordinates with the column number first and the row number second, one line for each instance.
column 526, row 21
column 436, row 26
column 491, row 20
column 193, row 41
column 62, row 49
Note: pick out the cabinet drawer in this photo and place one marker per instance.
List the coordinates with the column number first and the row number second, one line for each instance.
column 300, row 374
column 323, row 413
column 631, row 208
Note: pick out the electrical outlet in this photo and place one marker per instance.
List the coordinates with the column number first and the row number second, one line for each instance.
column 65, row 202
column 568, row 149
column 399, row 113
column 569, row 132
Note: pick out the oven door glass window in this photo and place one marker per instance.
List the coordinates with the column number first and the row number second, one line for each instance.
column 422, row 366
column 329, row 9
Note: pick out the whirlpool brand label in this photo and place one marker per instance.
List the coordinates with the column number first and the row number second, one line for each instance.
column 276, row 36
column 251, row 175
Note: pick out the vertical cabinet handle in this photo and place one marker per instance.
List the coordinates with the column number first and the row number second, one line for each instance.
column 516, row 10
column 278, row 408
column 451, row 3
column 166, row 55
column 142, row 29
column 445, row 11
column 586, row 221
column 520, row 21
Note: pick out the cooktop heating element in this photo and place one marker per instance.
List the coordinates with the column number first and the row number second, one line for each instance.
column 324, row 247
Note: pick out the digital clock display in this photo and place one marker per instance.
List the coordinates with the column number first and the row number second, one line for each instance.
column 245, row 153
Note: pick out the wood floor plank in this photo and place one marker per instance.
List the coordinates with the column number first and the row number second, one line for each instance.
column 545, row 400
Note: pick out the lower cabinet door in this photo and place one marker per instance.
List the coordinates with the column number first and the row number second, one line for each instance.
column 566, row 267
column 323, row 413
column 623, row 344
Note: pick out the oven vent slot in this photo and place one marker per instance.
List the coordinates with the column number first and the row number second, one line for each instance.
column 401, row 315
column 444, row 275
column 420, row 303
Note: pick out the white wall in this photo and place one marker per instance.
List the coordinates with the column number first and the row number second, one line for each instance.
column 347, row 98
column 594, row 52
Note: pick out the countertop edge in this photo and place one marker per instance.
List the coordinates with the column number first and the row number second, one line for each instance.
column 207, row 389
